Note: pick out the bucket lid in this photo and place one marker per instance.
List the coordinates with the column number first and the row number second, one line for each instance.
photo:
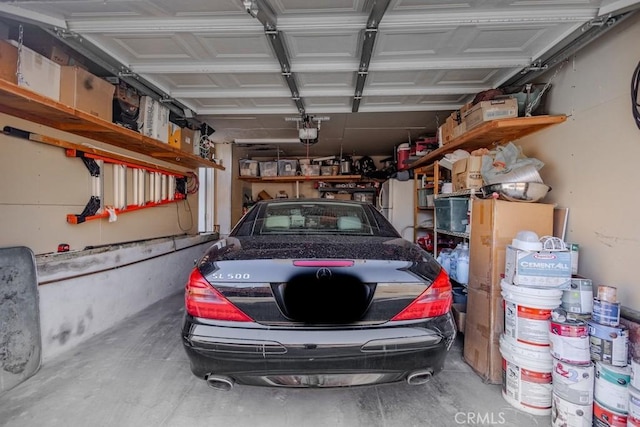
column 526, row 355
column 527, row 241
column 526, row 291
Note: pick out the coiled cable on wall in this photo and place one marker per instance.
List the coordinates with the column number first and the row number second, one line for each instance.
column 635, row 102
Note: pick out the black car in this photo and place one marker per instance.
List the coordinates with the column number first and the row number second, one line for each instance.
column 316, row 293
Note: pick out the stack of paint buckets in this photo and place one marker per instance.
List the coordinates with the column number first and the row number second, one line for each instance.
column 531, row 289
column 573, row 370
column 609, row 350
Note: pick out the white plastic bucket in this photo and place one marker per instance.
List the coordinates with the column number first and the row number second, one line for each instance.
column 527, row 312
column 569, row 341
column 568, row 414
column 526, row 372
column 573, row 383
column 611, row 387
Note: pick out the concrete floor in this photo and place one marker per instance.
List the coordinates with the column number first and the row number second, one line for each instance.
column 137, row 374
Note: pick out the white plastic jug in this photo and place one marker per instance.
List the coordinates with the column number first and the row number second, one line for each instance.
column 462, row 266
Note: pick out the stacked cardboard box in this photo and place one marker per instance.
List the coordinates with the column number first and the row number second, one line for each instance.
column 494, row 224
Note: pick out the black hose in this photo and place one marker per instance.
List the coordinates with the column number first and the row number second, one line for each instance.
column 635, row 102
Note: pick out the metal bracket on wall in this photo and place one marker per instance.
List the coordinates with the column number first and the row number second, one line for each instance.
column 151, row 186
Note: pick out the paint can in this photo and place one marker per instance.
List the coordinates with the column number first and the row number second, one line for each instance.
column 607, row 293
column 568, row 414
column 603, row 417
column 573, row 383
column 527, row 312
column 579, row 297
column 611, row 387
column 526, row 373
column 605, row 312
column 635, row 373
column 569, row 339
column 634, row 407
column 608, row 344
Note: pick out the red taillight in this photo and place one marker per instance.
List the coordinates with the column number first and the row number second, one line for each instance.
column 435, row 301
column 202, row 300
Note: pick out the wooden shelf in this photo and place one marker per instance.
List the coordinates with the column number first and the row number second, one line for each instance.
column 25, row 104
column 495, row 132
column 299, row 178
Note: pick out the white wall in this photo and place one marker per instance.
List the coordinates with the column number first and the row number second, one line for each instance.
column 39, row 186
column 591, row 160
column 86, row 293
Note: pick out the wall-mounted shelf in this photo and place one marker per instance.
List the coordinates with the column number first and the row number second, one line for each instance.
column 347, row 190
column 300, row 178
column 25, row 104
column 496, row 132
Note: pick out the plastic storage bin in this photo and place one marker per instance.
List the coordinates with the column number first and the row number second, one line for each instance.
column 424, row 200
column 248, row 167
column 268, row 169
column 452, row 214
column 287, row 167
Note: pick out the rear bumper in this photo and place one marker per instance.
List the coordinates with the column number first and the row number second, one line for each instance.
column 256, row 355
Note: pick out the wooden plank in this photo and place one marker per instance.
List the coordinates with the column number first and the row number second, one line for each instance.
column 493, row 133
column 25, row 104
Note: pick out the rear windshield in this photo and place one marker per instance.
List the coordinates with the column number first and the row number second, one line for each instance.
column 313, row 218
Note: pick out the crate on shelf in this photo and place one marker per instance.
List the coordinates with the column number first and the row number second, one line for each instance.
column 268, row 169
column 287, row 167
column 248, row 167
column 425, row 198
column 452, row 214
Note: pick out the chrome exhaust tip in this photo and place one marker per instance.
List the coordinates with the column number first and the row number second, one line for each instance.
column 419, row 377
column 218, row 382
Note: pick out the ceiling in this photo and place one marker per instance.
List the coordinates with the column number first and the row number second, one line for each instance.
column 244, row 75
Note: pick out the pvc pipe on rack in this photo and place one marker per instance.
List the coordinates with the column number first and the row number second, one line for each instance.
column 172, row 187
column 163, row 187
column 141, row 187
column 136, row 196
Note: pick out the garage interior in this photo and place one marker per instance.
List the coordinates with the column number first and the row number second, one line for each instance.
column 254, row 82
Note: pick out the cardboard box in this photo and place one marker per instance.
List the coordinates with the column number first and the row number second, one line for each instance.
column 491, row 110
column 537, row 269
column 466, row 173
column 494, row 224
column 153, row 120
column 175, row 135
column 459, row 312
column 187, row 140
column 484, row 322
column 38, row 73
column 58, row 55
column 8, row 62
column 85, row 92
column 459, row 130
